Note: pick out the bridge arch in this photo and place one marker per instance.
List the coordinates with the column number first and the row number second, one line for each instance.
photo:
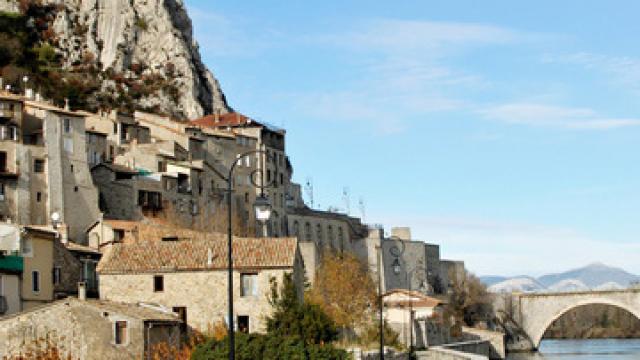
column 537, row 333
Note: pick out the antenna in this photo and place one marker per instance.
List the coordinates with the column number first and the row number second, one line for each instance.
column 345, row 198
column 362, row 208
column 308, row 189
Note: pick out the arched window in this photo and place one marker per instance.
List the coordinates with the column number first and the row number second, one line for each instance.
column 307, row 232
column 296, row 229
column 330, row 235
column 341, row 238
column 319, row 237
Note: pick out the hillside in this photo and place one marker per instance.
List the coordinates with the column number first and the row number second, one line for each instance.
column 594, row 276
column 104, row 54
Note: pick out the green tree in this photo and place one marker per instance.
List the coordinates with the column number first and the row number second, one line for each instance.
column 293, row 318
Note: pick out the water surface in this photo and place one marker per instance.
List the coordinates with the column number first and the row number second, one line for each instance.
column 597, row 349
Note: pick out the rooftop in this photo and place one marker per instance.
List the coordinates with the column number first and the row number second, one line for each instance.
column 186, row 250
column 406, row 298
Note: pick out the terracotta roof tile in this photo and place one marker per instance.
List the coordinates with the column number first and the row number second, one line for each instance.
column 206, row 252
column 223, row 120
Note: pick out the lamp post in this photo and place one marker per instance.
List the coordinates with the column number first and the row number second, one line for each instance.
column 262, row 208
column 409, row 274
column 397, row 252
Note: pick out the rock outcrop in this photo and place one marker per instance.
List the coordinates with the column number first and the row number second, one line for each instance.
column 125, row 35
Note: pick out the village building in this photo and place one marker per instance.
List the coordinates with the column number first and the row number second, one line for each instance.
column 417, row 318
column 38, row 265
column 186, row 271
column 275, row 167
column 43, row 166
column 87, row 329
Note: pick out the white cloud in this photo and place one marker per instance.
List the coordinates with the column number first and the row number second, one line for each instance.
column 622, row 69
column 392, row 36
column 491, row 247
column 406, row 72
column 543, row 115
column 226, row 36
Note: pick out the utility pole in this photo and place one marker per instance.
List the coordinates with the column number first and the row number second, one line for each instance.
column 381, row 304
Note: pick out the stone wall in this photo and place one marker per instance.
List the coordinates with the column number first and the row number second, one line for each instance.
column 495, row 339
column 447, row 354
column 203, row 293
column 78, row 329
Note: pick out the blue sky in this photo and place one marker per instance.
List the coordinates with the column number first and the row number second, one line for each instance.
column 505, row 132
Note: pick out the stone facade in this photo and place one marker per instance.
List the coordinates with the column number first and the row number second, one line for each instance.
column 203, row 294
column 84, row 329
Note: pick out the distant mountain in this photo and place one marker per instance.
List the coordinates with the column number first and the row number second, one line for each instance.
column 595, row 276
column 491, row 280
column 518, row 284
column 568, row 285
column 611, row 285
column 592, row 275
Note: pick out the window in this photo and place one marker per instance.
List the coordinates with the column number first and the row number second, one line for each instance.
column 120, row 332
column 158, row 283
column 38, row 196
column 281, row 178
column 296, row 228
column 57, row 275
column 35, row 281
column 27, row 249
column 67, row 126
column 115, row 128
column 38, row 165
column 243, row 324
column 307, row 232
column 2, row 192
column 268, row 176
column 246, row 197
column 71, row 168
column 68, row 145
column 319, row 234
column 248, row 284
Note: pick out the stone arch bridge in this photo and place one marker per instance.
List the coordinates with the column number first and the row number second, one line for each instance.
column 533, row 313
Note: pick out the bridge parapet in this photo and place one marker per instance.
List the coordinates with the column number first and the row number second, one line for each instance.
column 535, row 312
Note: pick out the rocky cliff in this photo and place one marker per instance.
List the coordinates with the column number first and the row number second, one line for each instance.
column 136, row 38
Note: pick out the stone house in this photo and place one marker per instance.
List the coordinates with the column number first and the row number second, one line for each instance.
column 43, row 267
column 187, row 273
column 415, row 316
column 11, row 267
column 43, row 166
column 417, row 267
column 254, row 135
column 82, row 329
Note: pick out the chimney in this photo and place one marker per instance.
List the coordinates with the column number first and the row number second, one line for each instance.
column 66, row 104
column 209, row 257
column 28, row 93
column 82, row 291
column 38, row 97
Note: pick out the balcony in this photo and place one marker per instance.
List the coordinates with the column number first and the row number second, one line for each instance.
column 11, row 263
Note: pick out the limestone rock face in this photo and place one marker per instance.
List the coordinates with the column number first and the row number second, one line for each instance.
column 156, row 33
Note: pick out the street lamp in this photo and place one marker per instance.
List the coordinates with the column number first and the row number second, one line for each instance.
column 409, row 281
column 397, row 252
column 262, row 208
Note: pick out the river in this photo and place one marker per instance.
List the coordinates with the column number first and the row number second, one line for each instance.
column 598, row 349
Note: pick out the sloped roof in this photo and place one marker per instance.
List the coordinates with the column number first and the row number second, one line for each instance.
column 406, row 298
column 224, row 120
column 197, row 254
